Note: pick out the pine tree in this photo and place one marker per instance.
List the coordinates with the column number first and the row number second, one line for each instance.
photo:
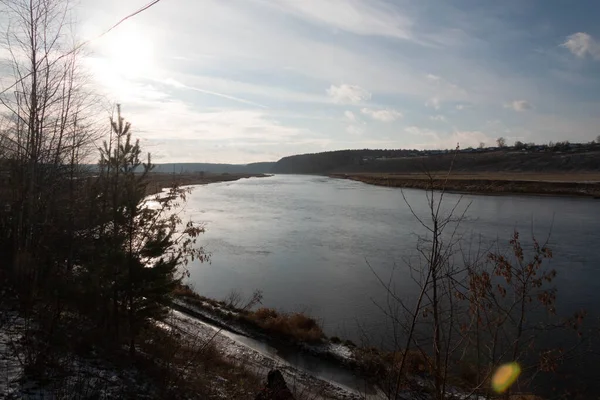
column 140, row 247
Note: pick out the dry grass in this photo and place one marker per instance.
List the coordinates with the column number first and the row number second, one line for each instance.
column 187, row 367
column 295, row 326
column 415, row 363
column 188, row 294
column 378, row 363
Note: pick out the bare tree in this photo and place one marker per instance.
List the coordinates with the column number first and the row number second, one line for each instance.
column 49, row 131
column 233, row 299
column 474, row 313
column 428, row 325
column 501, row 142
column 49, row 111
column 481, row 145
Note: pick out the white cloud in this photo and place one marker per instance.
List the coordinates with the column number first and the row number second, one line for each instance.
column 186, row 122
column 415, row 130
column 348, row 94
column 465, row 106
column 237, row 87
column 519, row 105
column 582, row 44
column 444, row 88
column 384, row 115
column 212, row 93
column 434, row 103
column 440, row 118
column 362, row 17
column 350, row 115
column 180, row 132
column 354, row 130
column 269, row 44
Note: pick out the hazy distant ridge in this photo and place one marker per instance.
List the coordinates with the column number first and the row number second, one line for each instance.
column 253, row 168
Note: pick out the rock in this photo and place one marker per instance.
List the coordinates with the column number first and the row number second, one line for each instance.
column 275, row 389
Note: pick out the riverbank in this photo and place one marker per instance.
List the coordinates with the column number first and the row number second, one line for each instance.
column 327, row 368
column 294, row 338
column 331, row 362
column 159, row 181
column 258, row 359
column 288, row 329
column 576, row 184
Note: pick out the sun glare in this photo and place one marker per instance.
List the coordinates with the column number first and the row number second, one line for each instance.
column 130, row 51
column 122, row 59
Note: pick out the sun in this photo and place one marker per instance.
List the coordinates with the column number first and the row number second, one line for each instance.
column 124, row 61
column 130, row 51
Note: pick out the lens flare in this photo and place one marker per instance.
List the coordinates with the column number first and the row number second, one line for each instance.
column 505, row 376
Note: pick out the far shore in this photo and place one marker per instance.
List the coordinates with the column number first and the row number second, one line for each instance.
column 159, row 181
column 492, row 183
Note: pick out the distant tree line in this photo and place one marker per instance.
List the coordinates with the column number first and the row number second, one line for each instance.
column 523, row 156
column 252, row 168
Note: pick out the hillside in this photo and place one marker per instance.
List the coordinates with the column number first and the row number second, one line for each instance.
column 332, row 161
column 253, row 168
column 570, row 158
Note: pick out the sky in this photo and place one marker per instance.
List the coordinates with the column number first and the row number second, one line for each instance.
column 239, row 81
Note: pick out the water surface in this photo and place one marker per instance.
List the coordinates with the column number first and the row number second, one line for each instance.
column 307, row 243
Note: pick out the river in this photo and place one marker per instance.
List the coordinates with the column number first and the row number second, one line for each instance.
column 307, row 243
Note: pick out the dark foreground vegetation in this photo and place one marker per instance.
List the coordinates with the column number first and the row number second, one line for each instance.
column 88, row 262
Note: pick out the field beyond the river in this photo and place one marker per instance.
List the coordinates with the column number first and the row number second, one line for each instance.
column 538, row 183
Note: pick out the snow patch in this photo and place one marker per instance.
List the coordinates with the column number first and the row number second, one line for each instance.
column 11, row 369
column 341, row 351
